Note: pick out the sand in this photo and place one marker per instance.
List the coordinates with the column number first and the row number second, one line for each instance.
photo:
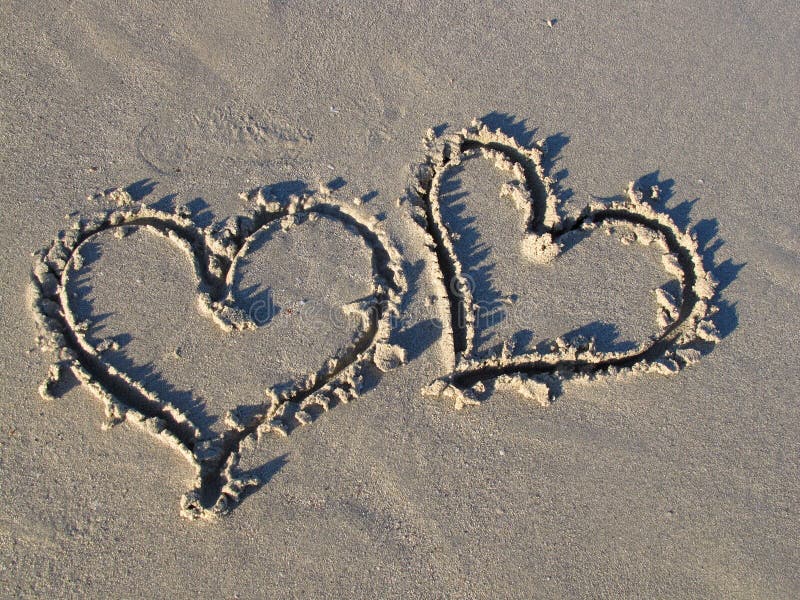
column 281, row 320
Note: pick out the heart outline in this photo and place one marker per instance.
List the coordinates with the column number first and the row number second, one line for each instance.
column 218, row 487
column 686, row 329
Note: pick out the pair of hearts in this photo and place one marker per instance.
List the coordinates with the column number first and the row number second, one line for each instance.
column 216, row 254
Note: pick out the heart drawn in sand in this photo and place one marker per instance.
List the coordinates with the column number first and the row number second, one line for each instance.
column 685, row 329
column 217, row 256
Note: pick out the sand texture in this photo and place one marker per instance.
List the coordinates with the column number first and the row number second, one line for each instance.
column 423, row 300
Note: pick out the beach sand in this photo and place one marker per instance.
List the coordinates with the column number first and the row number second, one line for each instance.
column 290, row 147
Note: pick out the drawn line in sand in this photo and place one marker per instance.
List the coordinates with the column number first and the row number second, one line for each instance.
column 215, row 253
column 686, row 331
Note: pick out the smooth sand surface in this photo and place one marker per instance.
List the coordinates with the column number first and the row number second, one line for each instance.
column 647, row 486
